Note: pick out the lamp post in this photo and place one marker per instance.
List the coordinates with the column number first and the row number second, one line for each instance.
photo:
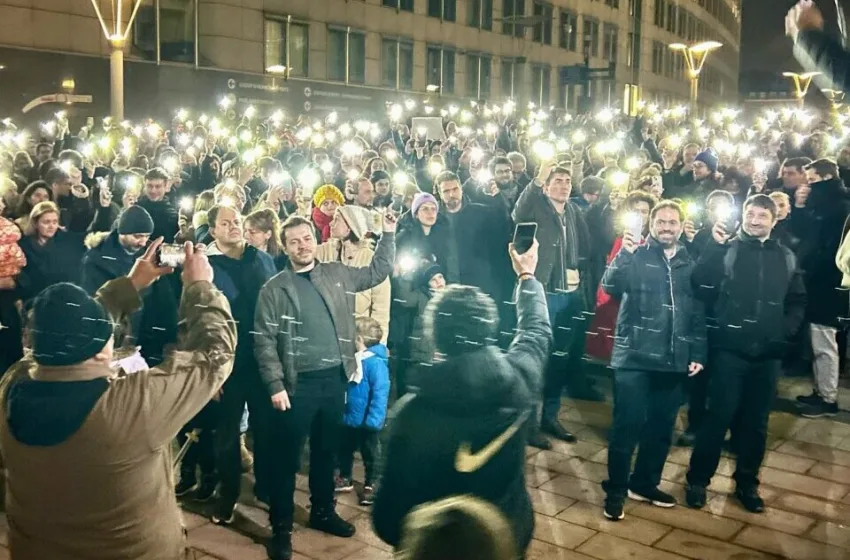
column 801, row 84
column 117, row 38
column 695, row 56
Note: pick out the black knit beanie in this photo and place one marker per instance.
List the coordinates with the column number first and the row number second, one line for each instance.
column 135, row 220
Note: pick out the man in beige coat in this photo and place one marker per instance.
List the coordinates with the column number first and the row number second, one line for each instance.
column 88, row 454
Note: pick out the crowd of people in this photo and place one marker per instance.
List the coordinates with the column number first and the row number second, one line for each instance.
column 334, row 267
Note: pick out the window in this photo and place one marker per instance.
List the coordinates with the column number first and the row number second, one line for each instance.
column 440, row 68
column 630, row 50
column 660, row 9
column 671, row 17
column 613, row 4
column 287, row 46
column 540, row 82
column 446, row 10
column 609, row 42
column 176, row 31
column 569, row 30
column 591, row 37
column 683, row 22
column 478, row 76
column 397, row 64
column 346, row 56
column 510, row 78
column 512, row 9
column 657, row 57
column 404, row 5
column 542, row 31
column 480, row 14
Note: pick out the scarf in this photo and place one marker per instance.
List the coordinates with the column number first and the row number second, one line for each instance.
column 322, row 222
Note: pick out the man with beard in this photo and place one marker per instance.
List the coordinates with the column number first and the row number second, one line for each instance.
column 304, row 342
column 704, row 170
column 818, row 219
column 506, row 191
column 364, row 193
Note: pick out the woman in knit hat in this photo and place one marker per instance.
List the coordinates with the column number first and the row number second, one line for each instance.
column 325, row 202
column 350, row 244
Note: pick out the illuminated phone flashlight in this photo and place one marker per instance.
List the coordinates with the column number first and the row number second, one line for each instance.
column 508, row 107
column 632, row 163
column 182, row 114
column 327, row 166
column 401, row 179
column 543, row 150
column 353, row 174
column 435, row 168
column 351, row 148
column 579, row 137
column 390, row 154
column 250, row 156
column 605, row 116
column 723, row 211
column 491, row 128
column 183, row 139
column 362, row 126
column 171, row 165
column 107, row 122
column 476, row 154
column 633, row 221
column 428, row 109
column 186, row 204
column 619, row 179
column 67, row 166
column 760, row 165
column 562, row 145
column 309, row 178
column 396, row 112
column 277, row 178
column 250, row 112
column 421, row 131
column 132, row 182
column 60, row 115
column 465, row 116
column 407, row 263
column 273, row 142
column 692, row 209
column 484, row 176
column 317, row 139
column 453, row 110
column 153, row 130
column 49, row 127
column 332, row 118
column 126, row 147
column 410, row 104
column 88, row 151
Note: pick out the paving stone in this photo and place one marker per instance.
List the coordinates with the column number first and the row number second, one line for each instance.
column 772, row 518
column 582, row 448
column 535, row 476
column 836, row 473
column 547, row 460
column 560, row 533
column 631, row 528
column 803, row 484
column 576, row 488
column 366, row 534
column 688, row 519
column 225, row 543
column 812, row 506
column 370, row 553
column 704, row 548
column 587, row 470
column 539, row 550
column 817, row 452
column 828, row 532
column 786, row 462
column 190, row 521
column 788, row 546
column 548, row 503
column 322, row 546
column 609, row 547
column 823, row 432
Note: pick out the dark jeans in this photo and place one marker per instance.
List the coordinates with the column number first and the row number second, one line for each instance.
column 740, row 391
column 240, row 388
column 202, row 452
column 645, row 408
column 565, row 360
column 697, row 399
column 317, row 408
column 365, row 440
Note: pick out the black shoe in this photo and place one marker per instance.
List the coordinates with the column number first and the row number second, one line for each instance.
column 328, row 521
column 185, row 486
column 614, row 508
column 206, row 490
column 695, row 496
column 654, row 496
column 224, row 514
column 539, row 441
column 750, row 499
column 814, row 398
column 687, row 439
column 279, row 547
column 818, row 409
column 555, row 430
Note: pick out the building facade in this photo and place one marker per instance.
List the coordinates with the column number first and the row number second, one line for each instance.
column 327, row 53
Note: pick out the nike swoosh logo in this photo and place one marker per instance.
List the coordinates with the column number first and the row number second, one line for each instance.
column 468, row 462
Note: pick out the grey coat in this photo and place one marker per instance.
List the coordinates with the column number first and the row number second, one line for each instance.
column 276, row 322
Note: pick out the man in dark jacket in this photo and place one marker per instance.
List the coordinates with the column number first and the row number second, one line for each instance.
column 111, row 256
column 304, row 337
column 564, row 271
column 821, row 210
column 158, row 205
column 756, row 301
column 704, row 170
column 240, row 272
column 660, row 341
column 463, row 431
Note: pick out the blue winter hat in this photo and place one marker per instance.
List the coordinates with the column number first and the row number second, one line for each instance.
column 709, row 158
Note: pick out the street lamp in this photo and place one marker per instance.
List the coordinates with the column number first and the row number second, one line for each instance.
column 801, row 83
column 695, row 56
column 117, row 38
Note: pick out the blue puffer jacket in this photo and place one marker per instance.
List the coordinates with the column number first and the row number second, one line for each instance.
column 366, row 402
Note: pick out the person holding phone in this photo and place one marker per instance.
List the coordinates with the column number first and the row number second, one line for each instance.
column 660, row 342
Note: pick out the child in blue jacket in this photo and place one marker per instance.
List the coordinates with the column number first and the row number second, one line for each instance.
column 365, row 408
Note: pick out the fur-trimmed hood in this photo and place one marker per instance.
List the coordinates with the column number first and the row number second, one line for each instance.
column 95, row 239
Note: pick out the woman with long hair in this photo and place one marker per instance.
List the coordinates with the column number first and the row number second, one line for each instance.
column 38, row 191
column 262, row 230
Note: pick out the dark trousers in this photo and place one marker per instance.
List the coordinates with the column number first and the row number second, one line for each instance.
column 240, row 388
column 698, row 399
column 740, row 391
column 317, row 408
column 645, row 408
column 367, row 442
column 202, row 452
column 568, row 331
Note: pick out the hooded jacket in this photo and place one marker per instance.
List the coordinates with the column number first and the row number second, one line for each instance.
column 463, row 430
column 661, row 323
column 366, row 399
column 88, row 455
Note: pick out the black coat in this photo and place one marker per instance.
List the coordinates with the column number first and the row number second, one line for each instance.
column 661, row 323
column 468, row 402
column 819, row 226
column 165, row 217
column 754, row 296
column 437, row 247
column 56, row 261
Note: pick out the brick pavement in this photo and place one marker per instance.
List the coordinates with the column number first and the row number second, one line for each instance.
column 806, row 484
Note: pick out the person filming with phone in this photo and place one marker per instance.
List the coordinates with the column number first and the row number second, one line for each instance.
column 87, row 453
column 755, row 301
column 659, row 343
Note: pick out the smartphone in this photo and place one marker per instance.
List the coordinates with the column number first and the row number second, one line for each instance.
column 524, row 235
column 728, row 218
column 171, row 254
column 634, row 224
